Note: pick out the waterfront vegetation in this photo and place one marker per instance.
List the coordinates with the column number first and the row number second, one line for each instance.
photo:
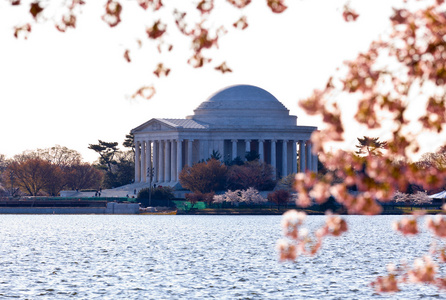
column 388, row 82
column 45, row 172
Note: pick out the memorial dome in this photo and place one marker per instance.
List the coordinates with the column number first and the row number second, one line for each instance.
column 243, row 106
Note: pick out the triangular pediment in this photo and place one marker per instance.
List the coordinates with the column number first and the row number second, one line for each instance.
column 154, row 125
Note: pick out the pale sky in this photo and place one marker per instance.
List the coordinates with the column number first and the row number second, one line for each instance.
column 73, row 88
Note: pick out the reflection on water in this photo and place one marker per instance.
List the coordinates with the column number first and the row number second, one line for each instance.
column 194, row 257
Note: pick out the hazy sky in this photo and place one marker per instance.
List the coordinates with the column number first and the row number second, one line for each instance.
column 73, row 88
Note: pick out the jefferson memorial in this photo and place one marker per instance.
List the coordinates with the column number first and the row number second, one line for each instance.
column 233, row 121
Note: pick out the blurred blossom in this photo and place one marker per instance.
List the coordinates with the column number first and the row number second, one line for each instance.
column 407, row 226
column 336, row 225
column 424, row 270
column 386, row 284
column 287, row 251
column 437, row 225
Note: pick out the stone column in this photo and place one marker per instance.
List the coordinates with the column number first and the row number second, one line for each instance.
column 155, row 161
column 302, row 156
column 189, row 152
column 284, row 158
column 148, row 167
column 179, row 159
column 137, row 163
column 221, row 149
column 143, row 161
column 273, row 157
column 309, row 162
column 166, row 161
column 261, row 153
column 173, row 161
column 234, row 149
column 247, row 145
column 160, row 161
column 294, row 170
column 315, row 166
column 202, row 150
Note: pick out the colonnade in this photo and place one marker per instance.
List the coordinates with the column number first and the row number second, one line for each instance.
column 164, row 159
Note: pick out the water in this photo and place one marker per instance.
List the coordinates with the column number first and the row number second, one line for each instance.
column 194, row 257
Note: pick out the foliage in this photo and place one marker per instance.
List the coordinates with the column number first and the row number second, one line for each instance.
column 251, row 196
column 3, row 165
column 48, row 171
column 195, row 197
column 124, row 168
column 118, row 166
column 252, row 155
column 279, row 197
column 236, row 161
column 33, row 175
column 370, row 146
column 418, row 198
column 286, row 183
column 401, row 71
column 248, row 196
column 204, row 177
column 229, row 196
column 107, row 152
column 297, row 240
column 202, row 29
column 405, row 67
column 256, row 174
column 436, row 159
column 212, row 175
column 83, row 176
column 158, row 193
column 161, row 196
column 215, row 155
column 399, row 197
column 129, row 141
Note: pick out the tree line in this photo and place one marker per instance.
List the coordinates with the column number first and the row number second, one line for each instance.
column 46, row 172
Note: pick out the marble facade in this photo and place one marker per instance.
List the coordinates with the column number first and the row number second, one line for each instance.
column 233, row 121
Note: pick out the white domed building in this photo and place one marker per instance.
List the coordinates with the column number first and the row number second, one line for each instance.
column 233, row 121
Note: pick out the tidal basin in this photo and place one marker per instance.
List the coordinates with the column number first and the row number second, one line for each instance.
column 195, row 257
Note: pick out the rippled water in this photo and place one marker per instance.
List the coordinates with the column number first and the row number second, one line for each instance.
column 193, row 257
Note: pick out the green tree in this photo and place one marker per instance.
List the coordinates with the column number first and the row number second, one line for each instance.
column 286, row 182
column 215, row 155
column 160, row 196
column 252, row 155
column 118, row 166
column 129, row 141
column 124, row 169
column 236, row 161
column 107, row 152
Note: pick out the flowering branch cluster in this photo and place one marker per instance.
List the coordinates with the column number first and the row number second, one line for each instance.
column 297, row 240
column 202, row 35
column 405, row 67
column 425, row 269
column 248, row 196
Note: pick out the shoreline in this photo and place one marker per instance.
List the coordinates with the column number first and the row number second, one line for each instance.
column 246, row 211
